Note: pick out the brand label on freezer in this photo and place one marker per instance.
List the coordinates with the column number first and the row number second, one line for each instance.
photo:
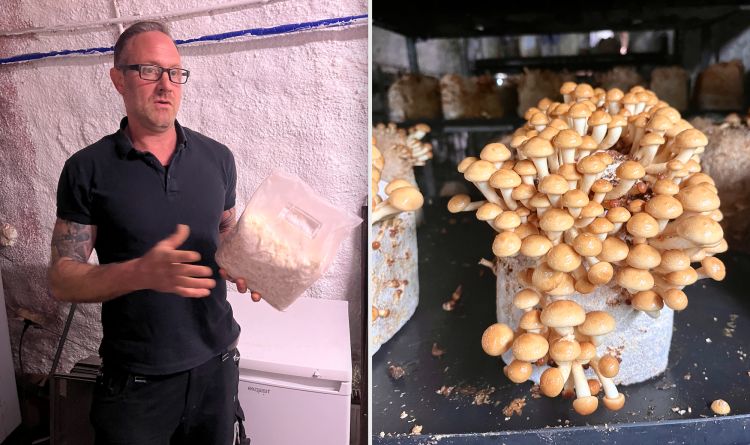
column 261, row 391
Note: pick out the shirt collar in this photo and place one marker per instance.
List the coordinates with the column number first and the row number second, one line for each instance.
column 124, row 145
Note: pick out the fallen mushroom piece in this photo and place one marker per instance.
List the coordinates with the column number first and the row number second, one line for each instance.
column 497, row 339
column 720, row 407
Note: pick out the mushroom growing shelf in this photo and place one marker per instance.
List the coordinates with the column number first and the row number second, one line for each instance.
column 459, row 397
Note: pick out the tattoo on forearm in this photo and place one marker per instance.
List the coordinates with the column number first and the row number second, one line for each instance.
column 228, row 220
column 72, row 240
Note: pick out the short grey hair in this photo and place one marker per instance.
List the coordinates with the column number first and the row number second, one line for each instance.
column 132, row 31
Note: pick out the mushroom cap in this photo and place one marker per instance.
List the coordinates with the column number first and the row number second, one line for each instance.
column 563, row 258
column 569, row 172
column 613, row 250
column 629, row 98
column 586, row 405
column 614, row 94
column 575, row 198
column 531, row 112
column 643, row 256
column 664, row 207
column 692, row 166
column 590, row 165
column 600, row 225
column 539, row 118
column 684, row 277
column 518, row 140
column 635, row 279
column 583, row 90
column 556, row 220
column 529, row 347
column 562, row 350
column 642, row 225
column 537, row 147
column 651, row 139
column 553, row 184
column 497, row 339
column 618, row 215
column 564, row 288
column 592, row 210
column 523, row 191
column 609, row 366
column 406, row 199
column 551, row 382
column 505, row 179
column 587, row 244
column 535, row 246
column 568, row 87
column 720, row 407
column 714, row 268
column 526, row 298
column 698, row 198
column 616, row 403
column 600, row 273
column 539, row 200
column 588, row 143
column 630, row 170
column 465, row 163
column 530, row 320
column 545, row 278
column 601, row 186
column 506, row 244
column 675, row 299
column 507, row 221
column 488, row 211
column 698, row 178
column 597, row 323
column 479, row 171
column 495, row 152
column 566, row 139
column 670, row 113
column 518, row 371
column 397, row 184
column 544, row 103
column 636, row 206
column 525, row 168
column 618, row 120
column 647, row 301
column 675, row 259
column 700, row 230
column 458, row 202
column 600, row 117
column 548, row 133
column 579, row 110
column 563, row 313
column 588, row 351
column 604, row 157
column 558, row 124
column 658, row 123
column 666, row 187
column 690, row 138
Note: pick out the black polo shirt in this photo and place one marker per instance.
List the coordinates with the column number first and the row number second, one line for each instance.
column 135, row 202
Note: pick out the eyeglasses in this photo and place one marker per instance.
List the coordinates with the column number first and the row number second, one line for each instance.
column 154, row 72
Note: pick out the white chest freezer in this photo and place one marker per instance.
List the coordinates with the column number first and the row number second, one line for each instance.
column 295, row 371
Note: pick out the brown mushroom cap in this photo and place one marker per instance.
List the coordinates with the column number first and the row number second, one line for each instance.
column 564, row 350
column 642, row 225
column 643, row 256
column 575, row 199
column 592, row 210
column 465, row 163
column 504, row 179
column 488, row 211
column 613, row 250
column 579, row 110
column 523, row 191
column 497, row 339
column 588, row 351
column 558, row 124
column 458, row 202
column 507, row 221
column 556, row 220
column 531, row 112
column 618, row 120
column 699, row 229
column 529, row 347
column 553, row 184
column 525, row 168
column 666, row 187
column 600, row 117
column 647, row 301
column 545, row 278
column 590, row 165
column 518, row 371
column 651, row 139
column 566, row 139
column 397, row 184
column 583, row 91
column 664, row 207
column 506, row 244
column 563, row 258
column 537, row 147
column 720, row 407
column 539, row 200
column 630, row 170
column 563, row 313
column 479, row 171
column 587, row 244
column 551, row 382
column 600, row 273
column 684, row 277
column 568, row 87
column 597, row 323
column 615, row 404
column 564, row 288
column 635, row 279
column 675, row 259
column 659, row 123
column 601, row 186
column 526, row 299
column 698, row 198
column 530, row 320
column 609, row 366
column 675, row 299
column 600, row 226
column 539, row 118
column 535, row 246
column 699, row 178
column 548, row 133
column 714, row 268
column 690, row 138
column 586, row 405
column 495, row 152
column 406, row 199
column 618, row 215
column 614, row 95
column 670, row 113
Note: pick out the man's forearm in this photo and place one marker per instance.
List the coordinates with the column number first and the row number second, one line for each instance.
column 78, row 282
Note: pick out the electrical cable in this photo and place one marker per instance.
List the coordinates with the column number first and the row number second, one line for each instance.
column 26, row 324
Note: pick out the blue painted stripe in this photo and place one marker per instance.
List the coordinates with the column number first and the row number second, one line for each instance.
column 256, row 32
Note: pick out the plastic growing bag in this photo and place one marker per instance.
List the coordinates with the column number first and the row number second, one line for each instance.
column 285, row 239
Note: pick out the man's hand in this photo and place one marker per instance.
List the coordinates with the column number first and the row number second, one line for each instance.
column 241, row 285
column 164, row 268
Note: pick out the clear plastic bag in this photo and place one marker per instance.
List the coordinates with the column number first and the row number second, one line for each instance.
column 285, row 239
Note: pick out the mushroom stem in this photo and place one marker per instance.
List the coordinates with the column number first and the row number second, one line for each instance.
column 610, row 390
column 579, row 378
column 621, row 189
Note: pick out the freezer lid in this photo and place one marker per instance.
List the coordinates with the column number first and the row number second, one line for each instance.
column 309, row 339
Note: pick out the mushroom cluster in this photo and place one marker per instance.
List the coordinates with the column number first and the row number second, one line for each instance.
column 604, row 189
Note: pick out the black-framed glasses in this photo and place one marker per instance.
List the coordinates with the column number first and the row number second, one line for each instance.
column 154, row 72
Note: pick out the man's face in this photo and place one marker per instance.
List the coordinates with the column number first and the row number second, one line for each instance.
column 153, row 104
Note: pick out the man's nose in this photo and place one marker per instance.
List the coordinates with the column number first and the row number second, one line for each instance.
column 164, row 82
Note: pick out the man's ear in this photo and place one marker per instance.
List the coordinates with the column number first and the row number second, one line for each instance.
column 118, row 79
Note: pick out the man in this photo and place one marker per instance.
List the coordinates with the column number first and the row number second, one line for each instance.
column 153, row 199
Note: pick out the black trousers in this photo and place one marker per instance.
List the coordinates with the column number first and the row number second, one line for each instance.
column 194, row 407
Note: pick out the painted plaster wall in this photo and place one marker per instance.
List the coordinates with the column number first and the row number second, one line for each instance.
column 296, row 102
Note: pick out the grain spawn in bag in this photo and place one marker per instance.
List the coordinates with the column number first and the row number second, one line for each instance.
column 285, row 239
